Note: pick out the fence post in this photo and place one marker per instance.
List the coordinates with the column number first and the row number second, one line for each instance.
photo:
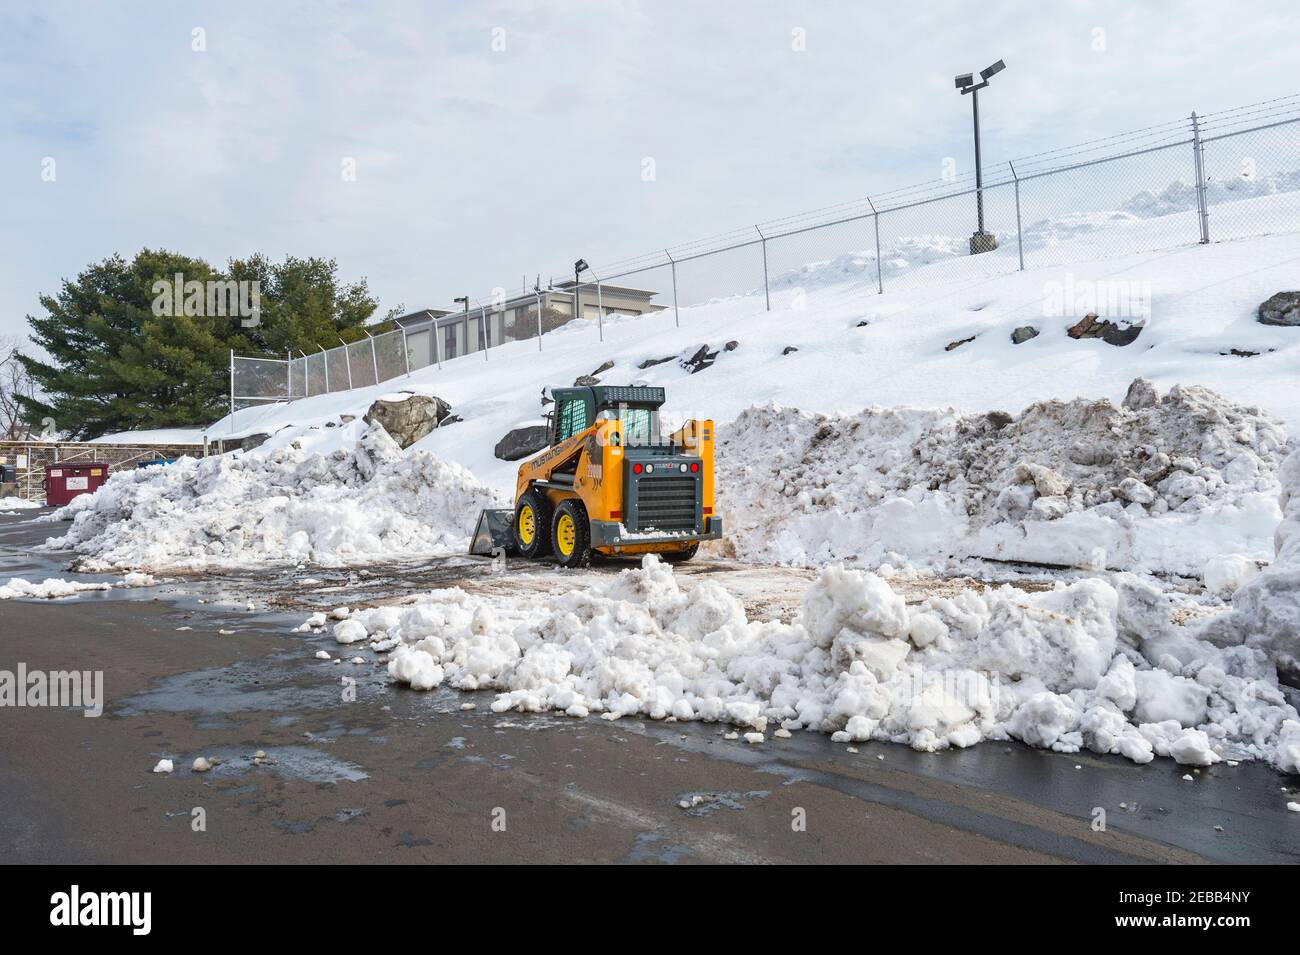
column 232, row 389
column 288, row 372
column 348, row 359
column 483, row 327
column 374, row 358
column 1198, row 152
column 306, row 374
column 1020, row 238
column 539, row 320
column 406, row 352
column 767, row 294
column 325, row 360
column 600, row 309
column 677, row 316
column 875, row 218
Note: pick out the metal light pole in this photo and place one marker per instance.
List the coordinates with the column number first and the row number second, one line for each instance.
column 464, row 300
column 579, row 267
column 981, row 241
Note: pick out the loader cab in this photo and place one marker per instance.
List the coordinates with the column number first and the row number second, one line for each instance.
column 578, row 408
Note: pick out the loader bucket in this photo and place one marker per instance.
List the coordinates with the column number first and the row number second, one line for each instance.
column 493, row 532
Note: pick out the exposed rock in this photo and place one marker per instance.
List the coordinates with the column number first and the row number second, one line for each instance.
column 604, row 367
column 1141, row 394
column 701, row 359
column 998, row 419
column 585, row 381
column 1090, row 326
column 521, row 442
column 1022, row 334
column 1090, row 455
column 958, row 343
column 409, row 419
column 788, row 349
column 1282, row 308
column 347, row 418
column 651, row 362
column 731, row 345
column 862, row 324
column 1047, row 483
column 1131, row 489
column 252, row 441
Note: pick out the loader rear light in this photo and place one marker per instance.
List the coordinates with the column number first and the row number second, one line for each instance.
column 707, row 511
column 636, row 469
column 615, row 515
column 695, row 465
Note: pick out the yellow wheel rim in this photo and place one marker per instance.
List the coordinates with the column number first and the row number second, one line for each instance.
column 527, row 525
column 566, row 535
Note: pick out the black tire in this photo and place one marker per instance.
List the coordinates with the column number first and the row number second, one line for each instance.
column 681, row 556
column 579, row 551
column 539, row 544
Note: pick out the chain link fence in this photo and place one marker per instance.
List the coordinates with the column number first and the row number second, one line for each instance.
column 1205, row 178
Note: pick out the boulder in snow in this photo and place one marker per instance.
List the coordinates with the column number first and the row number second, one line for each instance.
column 1282, row 308
column 1022, row 334
column 700, row 359
column 521, row 442
column 1090, row 326
column 410, row 417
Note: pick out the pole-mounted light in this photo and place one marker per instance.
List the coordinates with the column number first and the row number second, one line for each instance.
column 981, row 241
column 579, row 267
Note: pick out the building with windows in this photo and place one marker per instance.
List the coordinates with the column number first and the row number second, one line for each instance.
column 434, row 334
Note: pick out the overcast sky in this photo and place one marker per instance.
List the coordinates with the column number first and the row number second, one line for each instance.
column 477, row 164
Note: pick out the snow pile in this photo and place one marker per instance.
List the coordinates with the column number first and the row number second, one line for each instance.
column 48, row 589
column 12, row 505
column 360, row 499
column 904, row 253
column 1067, row 669
column 1160, row 483
column 1266, row 606
column 1180, row 196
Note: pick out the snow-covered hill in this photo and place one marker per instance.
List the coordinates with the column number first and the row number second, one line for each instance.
column 857, row 348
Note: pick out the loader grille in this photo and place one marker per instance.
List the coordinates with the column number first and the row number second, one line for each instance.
column 668, row 503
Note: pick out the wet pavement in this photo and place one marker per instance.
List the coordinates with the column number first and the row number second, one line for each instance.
column 357, row 769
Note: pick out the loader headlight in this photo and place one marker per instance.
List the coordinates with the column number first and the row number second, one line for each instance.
column 649, row 469
column 683, row 468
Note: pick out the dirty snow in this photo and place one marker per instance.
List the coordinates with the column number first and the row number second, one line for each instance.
column 1157, row 483
column 1092, row 665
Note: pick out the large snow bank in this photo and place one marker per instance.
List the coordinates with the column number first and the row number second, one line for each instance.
column 1159, row 483
column 1266, row 610
column 1181, row 196
column 328, row 498
column 1066, row 669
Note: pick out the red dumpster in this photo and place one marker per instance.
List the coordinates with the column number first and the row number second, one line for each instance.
column 63, row 482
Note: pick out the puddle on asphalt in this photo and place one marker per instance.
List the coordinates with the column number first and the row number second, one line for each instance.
column 655, row 847
column 706, row 803
column 287, row 762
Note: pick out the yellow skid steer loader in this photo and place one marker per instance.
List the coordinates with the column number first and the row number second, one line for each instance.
column 609, row 483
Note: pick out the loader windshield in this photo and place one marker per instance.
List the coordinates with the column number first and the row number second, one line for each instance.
column 640, row 425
